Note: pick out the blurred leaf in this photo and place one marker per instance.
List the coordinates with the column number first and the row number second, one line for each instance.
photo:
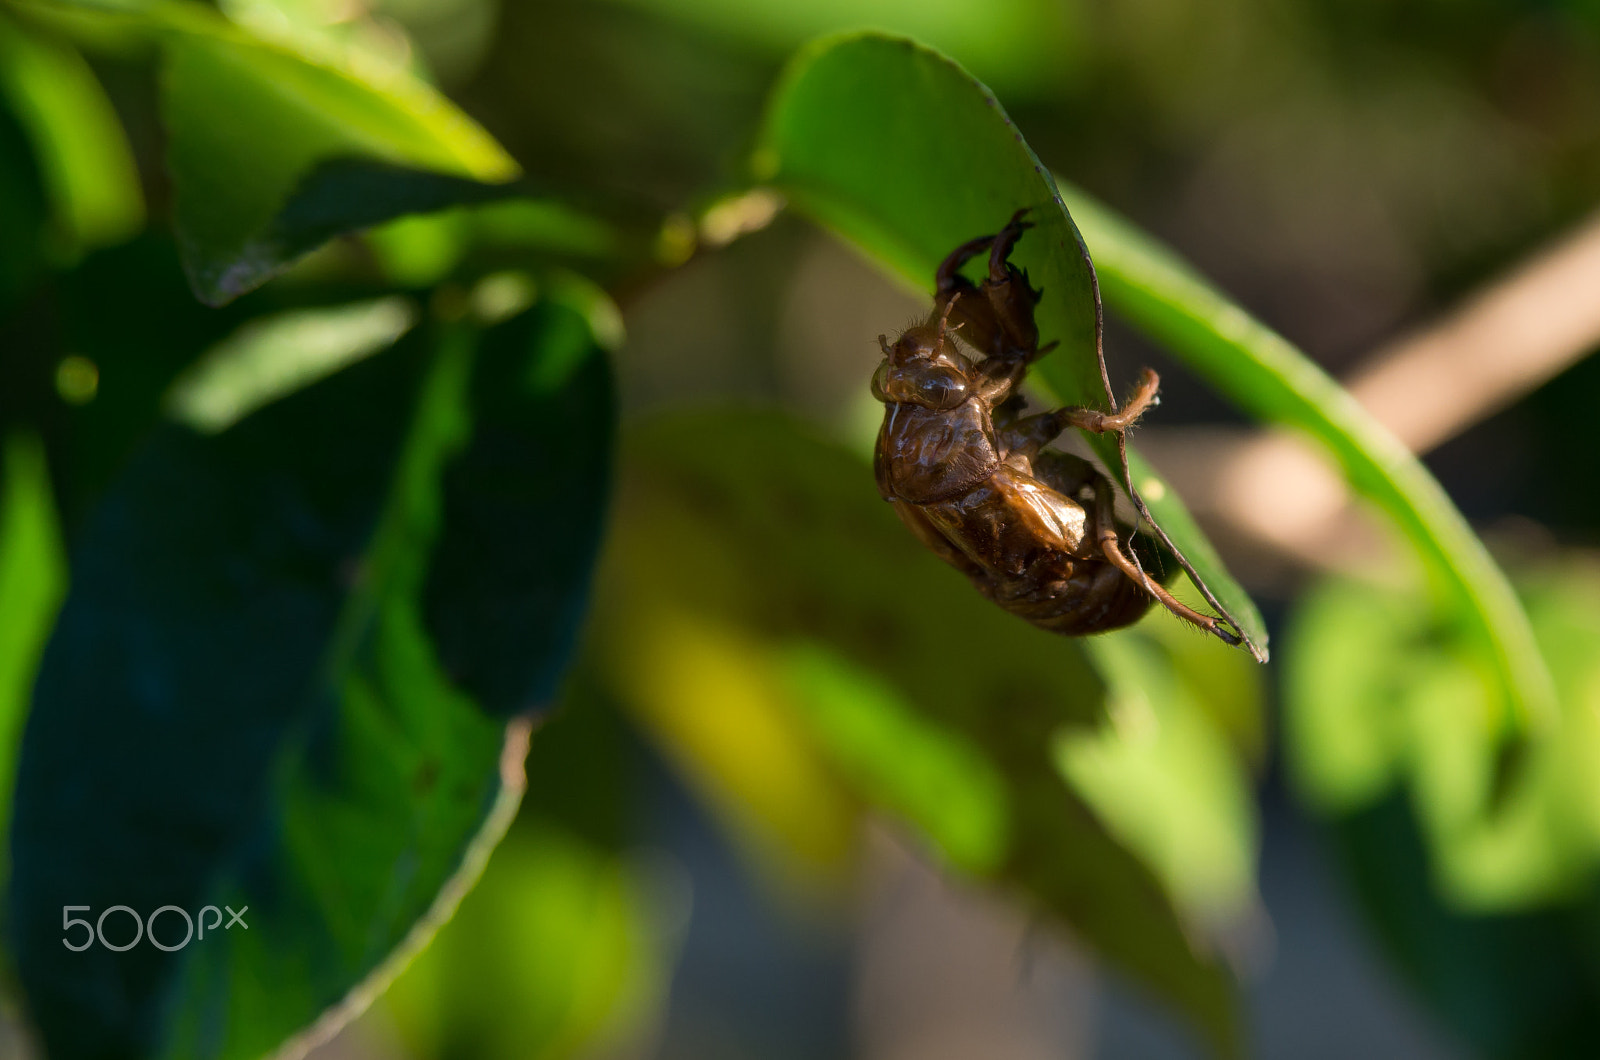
column 32, row 582
column 271, row 154
column 1492, row 917
column 900, row 151
column 128, row 310
column 1375, row 699
column 712, row 696
column 276, row 355
column 1270, row 379
column 1515, row 985
column 273, row 151
column 420, row 251
column 755, row 576
column 24, row 208
column 552, row 952
column 282, row 679
column 1165, row 780
column 1022, row 45
column 901, row 762
column 1344, row 737
column 561, row 949
column 77, row 138
column 1225, row 685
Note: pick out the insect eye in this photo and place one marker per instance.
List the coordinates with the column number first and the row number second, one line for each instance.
column 942, row 391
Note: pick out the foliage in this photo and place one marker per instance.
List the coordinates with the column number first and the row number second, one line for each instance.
column 298, row 528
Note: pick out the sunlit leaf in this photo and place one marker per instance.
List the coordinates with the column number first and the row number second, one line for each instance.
column 76, row 137
column 419, row 251
column 273, row 151
column 1490, row 913
column 1154, row 289
column 900, row 151
column 1376, row 697
column 290, row 674
column 276, row 355
column 1166, row 780
column 271, row 154
column 903, row 763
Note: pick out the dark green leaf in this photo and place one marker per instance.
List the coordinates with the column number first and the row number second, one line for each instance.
column 24, row 209
column 560, row 950
column 264, row 687
column 32, row 581
column 900, row 151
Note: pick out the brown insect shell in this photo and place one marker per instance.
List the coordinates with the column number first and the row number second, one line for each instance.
column 997, row 317
column 937, row 440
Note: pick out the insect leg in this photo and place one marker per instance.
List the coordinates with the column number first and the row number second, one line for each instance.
column 1105, row 531
column 948, row 276
column 999, row 267
column 1143, row 396
column 1035, row 432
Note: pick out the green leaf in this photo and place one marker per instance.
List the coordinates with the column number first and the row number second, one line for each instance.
column 275, row 149
column 1375, row 698
column 292, row 674
column 564, row 948
column 900, row 151
column 1150, row 286
column 1163, row 776
column 32, row 582
column 128, row 311
column 77, row 139
column 1491, row 916
column 902, row 763
column 275, row 355
column 421, row 251
column 757, row 595
column 271, row 154
column 24, row 211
